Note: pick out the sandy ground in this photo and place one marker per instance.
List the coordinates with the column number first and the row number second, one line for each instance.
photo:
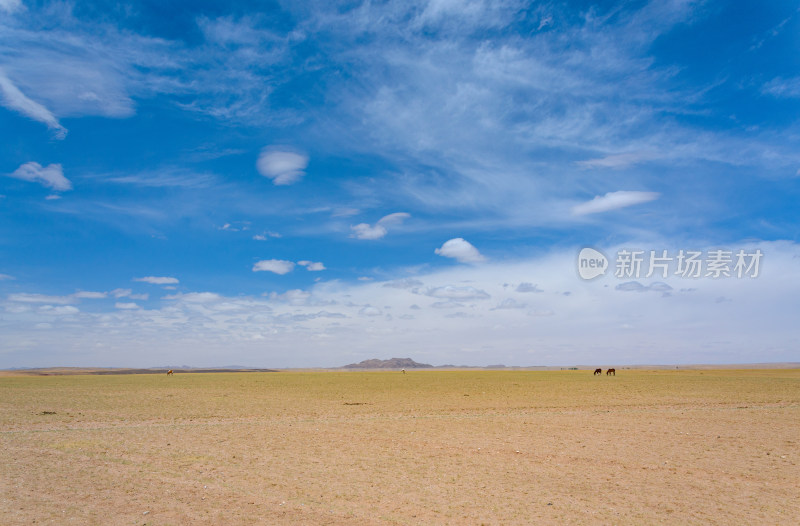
column 428, row 447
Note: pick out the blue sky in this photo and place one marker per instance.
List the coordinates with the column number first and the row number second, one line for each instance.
column 297, row 184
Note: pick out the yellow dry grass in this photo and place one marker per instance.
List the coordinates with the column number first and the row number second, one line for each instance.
column 427, row 447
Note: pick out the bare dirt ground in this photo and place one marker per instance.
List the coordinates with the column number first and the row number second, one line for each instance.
column 427, row 447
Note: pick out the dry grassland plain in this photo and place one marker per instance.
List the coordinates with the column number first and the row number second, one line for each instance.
column 427, row 447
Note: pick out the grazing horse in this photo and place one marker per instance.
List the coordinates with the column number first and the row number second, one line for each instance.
column 611, row 372
column 170, row 373
column 598, row 371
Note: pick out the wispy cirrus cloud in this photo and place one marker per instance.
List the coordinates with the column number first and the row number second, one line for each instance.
column 158, row 280
column 616, row 161
column 15, row 100
column 613, row 201
column 379, row 229
column 11, row 6
column 781, row 87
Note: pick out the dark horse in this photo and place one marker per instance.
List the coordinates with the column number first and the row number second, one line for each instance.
column 612, row 372
column 598, row 371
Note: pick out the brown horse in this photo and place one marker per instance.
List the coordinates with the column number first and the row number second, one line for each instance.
column 611, row 372
column 170, row 373
column 598, row 371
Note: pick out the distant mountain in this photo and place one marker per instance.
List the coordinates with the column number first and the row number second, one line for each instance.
column 394, row 363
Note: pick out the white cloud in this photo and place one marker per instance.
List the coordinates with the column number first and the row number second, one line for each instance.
column 125, row 306
column 457, row 293
column 370, row 311
column 51, row 176
column 11, row 6
column 266, row 235
column 785, row 88
column 528, row 287
column 59, row 311
column 621, row 160
column 196, row 297
column 312, row 266
column 394, row 219
column 85, row 294
column 613, row 201
column 461, row 250
column 295, row 297
column 14, row 99
column 282, row 166
column 757, row 324
column 378, row 230
column 158, row 280
column 6, row 277
column 278, row 266
column 510, row 303
column 635, row 286
column 366, row 231
column 40, row 298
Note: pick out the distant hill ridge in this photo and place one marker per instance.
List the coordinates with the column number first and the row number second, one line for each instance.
column 393, row 363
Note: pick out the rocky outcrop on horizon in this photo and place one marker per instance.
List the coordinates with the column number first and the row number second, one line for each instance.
column 393, row 363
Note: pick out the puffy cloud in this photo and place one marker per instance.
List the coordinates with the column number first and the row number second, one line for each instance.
column 157, row 280
column 278, row 266
column 612, row 201
column 125, row 306
column 13, row 99
column 528, row 287
column 283, row 167
column 378, row 230
column 510, row 303
column 295, row 297
column 461, row 250
column 51, row 176
column 312, row 266
column 370, row 311
column 365, row 231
